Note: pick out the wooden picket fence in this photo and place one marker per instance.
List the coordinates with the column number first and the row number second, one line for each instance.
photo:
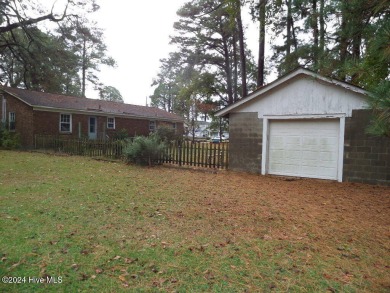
column 197, row 154
column 112, row 149
column 182, row 153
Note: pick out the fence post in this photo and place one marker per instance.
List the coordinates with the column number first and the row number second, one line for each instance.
column 179, row 153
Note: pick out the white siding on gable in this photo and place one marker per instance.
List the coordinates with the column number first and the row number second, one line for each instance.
column 305, row 95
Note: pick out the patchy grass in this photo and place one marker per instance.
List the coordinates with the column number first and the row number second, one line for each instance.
column 108, row 227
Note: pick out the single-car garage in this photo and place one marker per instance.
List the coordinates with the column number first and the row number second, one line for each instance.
column 306, row 125
column 304, row 148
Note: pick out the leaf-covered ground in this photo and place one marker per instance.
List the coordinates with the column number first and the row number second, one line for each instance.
column 102, row 226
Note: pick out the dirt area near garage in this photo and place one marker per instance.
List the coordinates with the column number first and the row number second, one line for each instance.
column 342, row 221
column 329, row 209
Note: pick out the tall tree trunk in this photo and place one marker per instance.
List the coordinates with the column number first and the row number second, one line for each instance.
column 169, row 98
column 322, row 27
column 235, row 72
column 228, row 70
column 242, row 50
column 84, row 67
column 343, row 41
column 260, row 62
column 321, row 48
column 288, row 33
column 314, row 27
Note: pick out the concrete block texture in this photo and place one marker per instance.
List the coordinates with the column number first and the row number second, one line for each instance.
column 366, row 157
column 245, row 149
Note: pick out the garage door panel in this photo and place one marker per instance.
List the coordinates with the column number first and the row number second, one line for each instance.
column 277, row 156
column 305, row 148
column 278, row 140
column 310, row 141
column 327, row 156
column 292, row 155
column 329, row 141
column 327, row 173
column 311, row 155
column 282, row 169
column 292, row 140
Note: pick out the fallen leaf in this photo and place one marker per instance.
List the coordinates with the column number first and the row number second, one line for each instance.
column 75, row 266
column 130, row 260
column 122, row 278
column 98, row 271
column 83, row 277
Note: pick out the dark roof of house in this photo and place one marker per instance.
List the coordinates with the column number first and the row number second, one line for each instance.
column 64, row 102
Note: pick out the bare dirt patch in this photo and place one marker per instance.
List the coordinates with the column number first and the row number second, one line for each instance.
column 338, row 221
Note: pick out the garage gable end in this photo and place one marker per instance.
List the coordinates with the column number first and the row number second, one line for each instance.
column 306, row 96
column 302, row 92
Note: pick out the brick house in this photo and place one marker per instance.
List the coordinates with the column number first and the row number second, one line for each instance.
column 307, row 125
column 32, row 113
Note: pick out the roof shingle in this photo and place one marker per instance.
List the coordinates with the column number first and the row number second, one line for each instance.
column 64, row 102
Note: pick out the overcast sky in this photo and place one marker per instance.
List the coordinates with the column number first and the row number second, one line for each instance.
column 137, row 36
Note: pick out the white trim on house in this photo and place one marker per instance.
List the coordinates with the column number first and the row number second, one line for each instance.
column 340, row 168
column 70, row 123
column 92, row 134
column 268, row 118
column 111, row 123
column 152, row 125
column 11, row 121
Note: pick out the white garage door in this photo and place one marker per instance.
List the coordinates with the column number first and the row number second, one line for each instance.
column 304, row 148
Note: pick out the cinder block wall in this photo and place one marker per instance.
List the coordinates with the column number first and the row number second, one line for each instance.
column 245, row 147
column 366, row 158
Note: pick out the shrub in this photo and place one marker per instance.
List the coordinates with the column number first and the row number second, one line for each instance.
column 167, row 134
column 144, row 150
column 8, row 140
column 121, row 134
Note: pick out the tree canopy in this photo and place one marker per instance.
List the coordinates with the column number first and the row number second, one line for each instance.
column 346, row 40
column 110, row 93
column 53, row 49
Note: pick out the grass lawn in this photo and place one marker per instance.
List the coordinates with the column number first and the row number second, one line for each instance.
column 106, row 227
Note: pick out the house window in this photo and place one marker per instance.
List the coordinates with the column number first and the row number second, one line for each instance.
column 174, row 126
column 12, row 121
column 65, row 123
column 152, row 126
column 110, row 123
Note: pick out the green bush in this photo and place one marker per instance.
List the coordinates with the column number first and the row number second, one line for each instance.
column 121, row 134
column 8, row 140
column 144, row 150
column 166, row 134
